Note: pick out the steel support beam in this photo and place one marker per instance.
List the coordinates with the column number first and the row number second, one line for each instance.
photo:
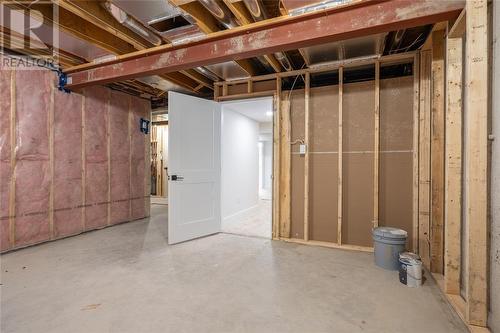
column 281, row 34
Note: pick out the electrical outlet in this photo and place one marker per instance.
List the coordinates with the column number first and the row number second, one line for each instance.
column 302, row 149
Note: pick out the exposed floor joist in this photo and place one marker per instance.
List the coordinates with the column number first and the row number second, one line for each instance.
column 265, row 37
column 92, row 15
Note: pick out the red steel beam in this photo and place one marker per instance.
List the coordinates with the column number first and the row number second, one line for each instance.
column 361, row 19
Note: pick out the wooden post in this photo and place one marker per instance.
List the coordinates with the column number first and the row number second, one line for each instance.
column 50, row 125
column 476, row 161
column 84, row 167
column 276, row 160
column 416, row 97
column 340, row 152
column 424, row 158
column 437, row 152
column 285, row 173
column 453, row 165
column 306, row 157
column 376, row 148
column 13, row 144
column 108, row 152
column 129, row 115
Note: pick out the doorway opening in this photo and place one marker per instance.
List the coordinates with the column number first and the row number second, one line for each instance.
column 159, row 157
column 247, row 167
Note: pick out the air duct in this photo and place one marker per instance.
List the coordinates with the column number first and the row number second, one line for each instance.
column 220, row 12
column 207, row 73
column 131, row 23
column 257, row 11
column 283, row 60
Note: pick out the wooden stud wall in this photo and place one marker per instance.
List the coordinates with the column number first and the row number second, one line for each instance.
column 453, row 165
column 424, row 158
column 437, row 152
column 476, row 146
column 340, row 153
column 282, row 211
column 376, row 148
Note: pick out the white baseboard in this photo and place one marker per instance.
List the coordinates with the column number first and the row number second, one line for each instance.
column 238, row 215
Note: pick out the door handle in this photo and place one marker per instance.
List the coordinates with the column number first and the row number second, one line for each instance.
column 175, row 178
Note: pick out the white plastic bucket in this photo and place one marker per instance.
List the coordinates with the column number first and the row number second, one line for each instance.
column 410, row 272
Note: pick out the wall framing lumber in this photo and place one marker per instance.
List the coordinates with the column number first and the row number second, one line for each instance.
column 453, row 165
column 457, row 30
column 476, row 66
column 50, row 128
column 108, row 152
column 306, row 156
column 285, row 172
column 376, row 148
column 340, row 153
column 367, row 17
column 328, row 244
column 276, row 161
column 83, row 161
column 437, row 151
column 13, row 144
column 424, row 157
column 416, row 115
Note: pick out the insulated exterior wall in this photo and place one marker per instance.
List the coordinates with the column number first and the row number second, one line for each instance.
column 5, row 160
column 67, row 164
column 60, row 166
column 96, row 157
column 32, row 174
column 395, row 168
column 119, row 157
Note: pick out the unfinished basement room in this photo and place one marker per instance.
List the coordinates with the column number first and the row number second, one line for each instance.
column 250, row 166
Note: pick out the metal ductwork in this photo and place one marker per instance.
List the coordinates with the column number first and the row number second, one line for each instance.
column 207, row 73
column 257, row 11
column 131, row 23
column 283, row 60
column 220, row 12
column 326, row 4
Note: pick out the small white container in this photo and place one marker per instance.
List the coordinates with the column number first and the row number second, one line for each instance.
column 410, row 271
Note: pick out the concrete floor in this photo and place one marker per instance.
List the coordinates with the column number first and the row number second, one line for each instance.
column 254, row 222
column 126, row 279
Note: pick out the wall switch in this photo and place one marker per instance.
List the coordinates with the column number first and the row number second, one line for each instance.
column 302, row 149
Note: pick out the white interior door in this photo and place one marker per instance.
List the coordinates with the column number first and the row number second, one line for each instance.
column 194, row 165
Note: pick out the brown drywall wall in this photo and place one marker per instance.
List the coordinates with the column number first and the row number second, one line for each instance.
column 396, row 168
column 396, row 154
column 297, row 164
column 358, row 143
column 323, row 163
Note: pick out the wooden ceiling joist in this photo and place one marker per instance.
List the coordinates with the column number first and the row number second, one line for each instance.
column 93, row 12
column 209, row 24
column 94, row 15
column 280, row 34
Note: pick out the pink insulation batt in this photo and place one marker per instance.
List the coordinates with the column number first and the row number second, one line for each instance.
column 68, row 194
column 138, row 169
column 120, row 157
column 5, row 176
column 72, row 170
column 96, row 157
column 32, row 173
